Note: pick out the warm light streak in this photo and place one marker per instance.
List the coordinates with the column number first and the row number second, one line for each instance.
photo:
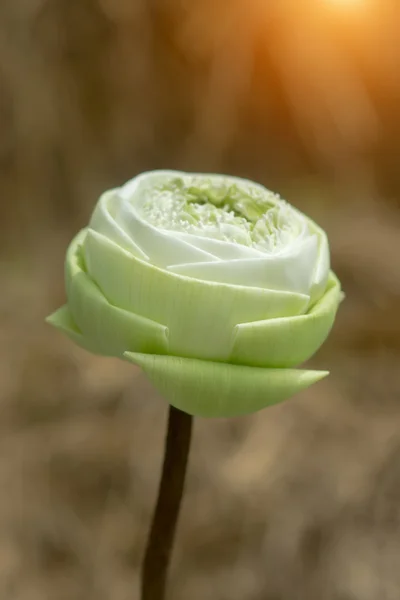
column 348, row 4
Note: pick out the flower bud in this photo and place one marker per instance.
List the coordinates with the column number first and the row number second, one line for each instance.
column 212, row 284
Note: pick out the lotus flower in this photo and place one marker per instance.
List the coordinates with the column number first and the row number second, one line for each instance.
column 213, row 285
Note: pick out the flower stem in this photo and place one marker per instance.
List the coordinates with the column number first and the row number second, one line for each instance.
column 165, row 518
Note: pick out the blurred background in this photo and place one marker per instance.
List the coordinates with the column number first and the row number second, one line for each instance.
column 300, row 501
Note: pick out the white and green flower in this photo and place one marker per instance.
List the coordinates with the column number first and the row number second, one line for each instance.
column 213, row 285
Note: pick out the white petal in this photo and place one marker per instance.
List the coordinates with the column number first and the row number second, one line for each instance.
column 322, row 268
column 218, row 248
column 162, row 247
column 291, row 273
column 103, row 221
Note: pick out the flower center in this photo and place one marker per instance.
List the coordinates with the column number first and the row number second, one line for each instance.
column 219, row 209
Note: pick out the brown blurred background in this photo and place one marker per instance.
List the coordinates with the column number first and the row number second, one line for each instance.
column 298, row 502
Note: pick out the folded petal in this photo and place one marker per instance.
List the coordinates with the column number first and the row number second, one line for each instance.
column 103, row 220
column 221, row 249
column 109, row 329
column 212, row 389
column 288, row 341
column 286, row 272
column 200, row 315
column 162, row 247
column 62, row 320
column 322, row 267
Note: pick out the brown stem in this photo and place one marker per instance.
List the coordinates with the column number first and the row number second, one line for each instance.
column 162, row 532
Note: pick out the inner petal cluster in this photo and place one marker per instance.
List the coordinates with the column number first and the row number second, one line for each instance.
column 222, row 210
column 216, row 228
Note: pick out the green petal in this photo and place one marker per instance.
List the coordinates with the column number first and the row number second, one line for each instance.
column 289, row 341
column 211, row 389
column 62, row 320
column 111, row 330
column 200, row 315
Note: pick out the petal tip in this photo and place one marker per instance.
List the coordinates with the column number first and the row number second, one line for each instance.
column 315, row 376
column 58, row 318
column 138, row 358
column 50, row 319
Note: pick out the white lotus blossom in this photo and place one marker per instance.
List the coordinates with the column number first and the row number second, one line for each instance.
column 214, row 285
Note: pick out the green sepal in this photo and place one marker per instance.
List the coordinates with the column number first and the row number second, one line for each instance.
column 107, row 329
column 287, row 341
column 62, row 320
column 212, row 389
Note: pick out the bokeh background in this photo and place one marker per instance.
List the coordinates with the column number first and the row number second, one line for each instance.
column 298, row 502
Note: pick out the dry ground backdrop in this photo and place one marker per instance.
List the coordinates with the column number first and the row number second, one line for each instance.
column 299, row 502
